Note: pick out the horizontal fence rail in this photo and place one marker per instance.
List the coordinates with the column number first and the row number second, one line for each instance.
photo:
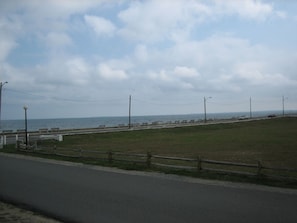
column 228, row 163
column 152, row 160
column 174, row 158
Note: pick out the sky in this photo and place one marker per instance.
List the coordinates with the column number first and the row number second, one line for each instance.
column 73, row 58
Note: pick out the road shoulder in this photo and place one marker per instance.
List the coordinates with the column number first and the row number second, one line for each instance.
column 11, row 214
column 238, row 185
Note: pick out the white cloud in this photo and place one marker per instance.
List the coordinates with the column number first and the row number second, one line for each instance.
column 101, row 26
column 256, row 74
column 163, row 49
column 9, row 29
column 60, row 72
column 152, row 21
column 224, row 83
column 218, row 63
column 180, row 78
column 15, row 77
column 185, row 72
column 57, row 40
column 251, row 9
column 160, row 76
column 79, row 71
column 6, row 45
column 108, row 73
column 141, row 53
column 281, row 14
column 50, row 9
column 39, row 17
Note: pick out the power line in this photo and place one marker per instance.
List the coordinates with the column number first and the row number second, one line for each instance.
column 164, row 103
column 227, row 104
column 55, row 98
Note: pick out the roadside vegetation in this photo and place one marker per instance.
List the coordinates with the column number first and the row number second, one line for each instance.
column 272, row 142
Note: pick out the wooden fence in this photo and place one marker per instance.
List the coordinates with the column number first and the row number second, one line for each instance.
column 152, row 160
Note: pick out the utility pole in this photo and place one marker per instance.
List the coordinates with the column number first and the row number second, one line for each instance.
column 129, row 111
column 205, row 108
column 283, row 99
column 26, row 125
column 250, row 107
column 1, row 85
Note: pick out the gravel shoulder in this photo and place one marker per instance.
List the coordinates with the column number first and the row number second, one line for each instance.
column 11, row 214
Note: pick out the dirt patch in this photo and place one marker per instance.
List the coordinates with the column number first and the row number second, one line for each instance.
column 12, row 214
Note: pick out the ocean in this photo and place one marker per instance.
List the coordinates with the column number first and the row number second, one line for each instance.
column 94, row 122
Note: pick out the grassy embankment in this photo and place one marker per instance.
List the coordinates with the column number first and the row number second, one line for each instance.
column 273, row 142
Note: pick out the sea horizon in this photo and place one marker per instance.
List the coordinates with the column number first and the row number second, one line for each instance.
column 113, row 121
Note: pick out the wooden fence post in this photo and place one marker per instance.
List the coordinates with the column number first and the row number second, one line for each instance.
column 199, row 167
column 110, row 157
column 18, row 144
column 259, row 168
column 149, row 159
column 3, row 140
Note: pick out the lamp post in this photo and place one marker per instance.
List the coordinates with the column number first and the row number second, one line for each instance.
column 129, row 124
column 284, row 98
column 205, row 107
column 251, row 107
column 1, row 85
column 26, row 125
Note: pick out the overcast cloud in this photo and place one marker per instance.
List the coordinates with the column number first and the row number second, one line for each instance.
column 75, row 58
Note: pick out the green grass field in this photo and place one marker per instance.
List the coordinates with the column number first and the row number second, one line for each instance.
column 271, row 141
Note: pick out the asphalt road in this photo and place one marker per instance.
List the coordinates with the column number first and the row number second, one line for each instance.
column 81, row 193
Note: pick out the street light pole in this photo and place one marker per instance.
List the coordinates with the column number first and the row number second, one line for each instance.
column 129, row 125
column 205, row 108
column 26, row 125
column 1, row 85
column 283, row 99
column 250, row 107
